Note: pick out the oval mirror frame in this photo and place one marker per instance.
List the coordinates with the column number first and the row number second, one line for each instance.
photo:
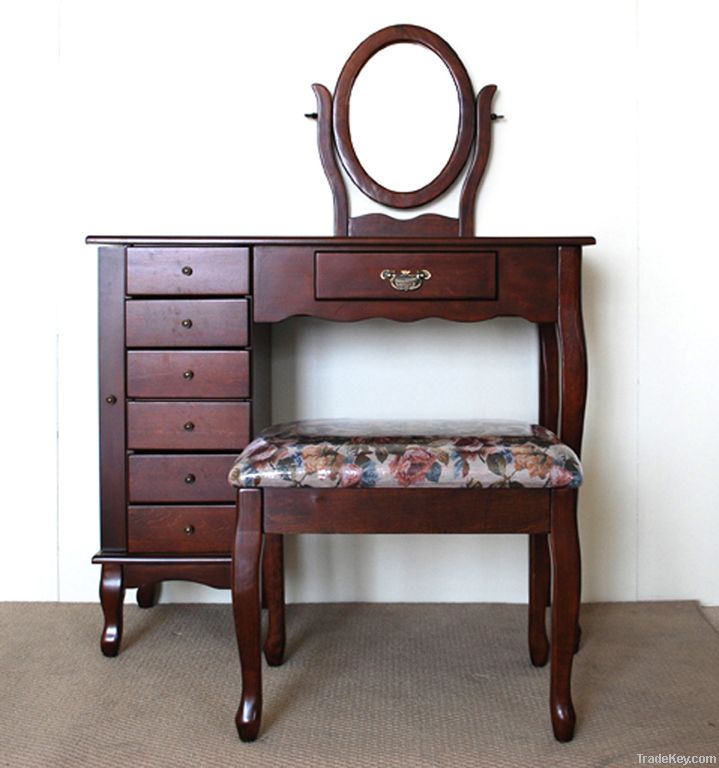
column 403, row 33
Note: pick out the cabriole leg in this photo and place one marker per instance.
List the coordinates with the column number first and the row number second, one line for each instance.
column 565, row 609
column 246, row 606
column 112, row 595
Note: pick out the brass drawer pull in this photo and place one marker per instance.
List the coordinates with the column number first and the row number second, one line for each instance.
column 186, row 323
column 189, row 529
column 188, row 426
column 188, row 375
column 187, row 271
column 406, row 279
column 190, row 478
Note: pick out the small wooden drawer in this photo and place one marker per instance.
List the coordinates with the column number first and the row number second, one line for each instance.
column 188, row 374
column 376, row 275
column 180, row 478
column 184, row 426
column 187, row 323
column 168, row 529
column 196, row 271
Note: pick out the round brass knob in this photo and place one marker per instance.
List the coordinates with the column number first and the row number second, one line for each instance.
column 188, row 426
column 187, row 271
column 186, row 323
column 190, row 478
column 111, row 399
column 187, row 375
column 189, row 529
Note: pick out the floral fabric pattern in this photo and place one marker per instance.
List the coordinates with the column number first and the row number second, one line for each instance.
column 380, row 454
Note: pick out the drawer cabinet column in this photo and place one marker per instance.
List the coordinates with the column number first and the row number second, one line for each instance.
column 178, row 357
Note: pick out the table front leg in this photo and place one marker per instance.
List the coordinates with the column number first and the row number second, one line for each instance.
column 246, row 606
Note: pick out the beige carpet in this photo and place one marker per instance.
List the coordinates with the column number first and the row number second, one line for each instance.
column 364, row 685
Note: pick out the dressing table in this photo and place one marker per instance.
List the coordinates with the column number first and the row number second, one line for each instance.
column 184, row 388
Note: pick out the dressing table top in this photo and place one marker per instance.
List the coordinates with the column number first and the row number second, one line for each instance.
column 356, row 242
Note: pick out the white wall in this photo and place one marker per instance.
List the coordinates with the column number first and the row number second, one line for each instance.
column 165, row 117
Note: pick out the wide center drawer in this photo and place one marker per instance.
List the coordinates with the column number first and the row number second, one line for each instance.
column 166, row 529
column 187, row 323
column 187, row 271
column 184, row 426
column 405, row 275
column 188, row 374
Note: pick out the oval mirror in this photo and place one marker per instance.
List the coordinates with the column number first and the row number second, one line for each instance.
column 404, row 116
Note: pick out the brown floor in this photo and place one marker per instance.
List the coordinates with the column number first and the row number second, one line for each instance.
column 712, row 615
column 364, row 685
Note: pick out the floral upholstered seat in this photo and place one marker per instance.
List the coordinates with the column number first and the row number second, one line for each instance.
column 344, row 453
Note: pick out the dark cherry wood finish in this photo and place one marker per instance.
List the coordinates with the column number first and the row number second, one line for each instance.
column 328, row 158
column 113, row 498
column 187, row 426
column 183, row 384
column 358, row 275
column 187, row 271
column 187, row 323
column 112, row 594
column 565, row 610
column 147, row 466
column 573, row 354
column 181, row 529
column 473, row 142
column 186, row 375
column 167, row 531
column 403, row 33
column 246, row 603
column 445, row 275
column 185, row 477
column 539, row 585
column 478, row 163
column 535, row 280
column 378, row 224
column 400, row 510
column 273, row 582
column 526, row 284
column 539, row 559
column 148, row 595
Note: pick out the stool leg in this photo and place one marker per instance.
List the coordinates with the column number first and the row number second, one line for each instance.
column 246, row 605
column 539, row 581
column 565, row 609
column 112, row 595
column 273, row 579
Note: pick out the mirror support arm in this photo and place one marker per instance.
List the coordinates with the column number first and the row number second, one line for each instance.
column 480, row 158
column 328, row 158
